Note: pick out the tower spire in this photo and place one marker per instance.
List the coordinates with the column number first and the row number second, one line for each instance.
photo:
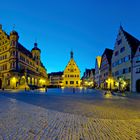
column 14, row 27
column 1, row 26
column 71, row 54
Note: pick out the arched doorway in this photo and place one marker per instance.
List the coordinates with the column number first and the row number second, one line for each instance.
column 0, row 83
column 138, row 85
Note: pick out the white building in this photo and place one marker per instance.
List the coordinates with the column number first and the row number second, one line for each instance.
column 136, row 72
column 124, row 51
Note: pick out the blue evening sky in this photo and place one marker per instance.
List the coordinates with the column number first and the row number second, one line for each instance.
column 85, row 26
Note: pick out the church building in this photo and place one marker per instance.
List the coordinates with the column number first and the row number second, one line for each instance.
column 71, row 75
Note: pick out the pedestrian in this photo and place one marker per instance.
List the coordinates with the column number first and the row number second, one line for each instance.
column 46, row 89
column 73, row 90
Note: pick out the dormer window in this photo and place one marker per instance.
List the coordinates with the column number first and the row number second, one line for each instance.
column 119, row 41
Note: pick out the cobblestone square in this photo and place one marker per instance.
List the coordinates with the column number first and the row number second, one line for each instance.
column 68, row 116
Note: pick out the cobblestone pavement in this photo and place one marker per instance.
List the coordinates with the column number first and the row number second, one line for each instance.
column 23, row 121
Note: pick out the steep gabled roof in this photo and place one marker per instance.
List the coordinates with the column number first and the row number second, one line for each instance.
column 108, row 53
column 24, row 50
column 60, row 73
column 93, row 70
column 70, row 65
column 98, row 61
column 133, row 42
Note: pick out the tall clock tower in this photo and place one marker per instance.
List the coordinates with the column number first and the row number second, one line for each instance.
column 71, row 74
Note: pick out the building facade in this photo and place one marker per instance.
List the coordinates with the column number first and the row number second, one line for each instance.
column 124, row 51
column 88, row 79
column 105, row 69
column 136, row 72
column 71, row 75
column 19, row 67
column 55, row 79
column 97, row 71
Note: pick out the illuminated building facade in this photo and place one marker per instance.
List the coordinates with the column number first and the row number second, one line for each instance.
column 97, row 71
column 136, row 72
column 71, row 76
column 124, row 51
column 55, row 79
column 19, row 67
column 88, row 79
column 105, row 69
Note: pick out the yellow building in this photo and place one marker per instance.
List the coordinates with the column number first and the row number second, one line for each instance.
column 71, row 76
column 19, row 67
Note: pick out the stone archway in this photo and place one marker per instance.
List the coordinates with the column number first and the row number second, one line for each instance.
column 138, row 86
column 0, row 83
column 22, row 80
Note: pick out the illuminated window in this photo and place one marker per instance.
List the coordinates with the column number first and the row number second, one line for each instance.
column 71, row 82
column 22, row 58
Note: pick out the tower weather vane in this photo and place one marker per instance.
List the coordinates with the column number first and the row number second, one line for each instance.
column 14, row 26
column 35, row 40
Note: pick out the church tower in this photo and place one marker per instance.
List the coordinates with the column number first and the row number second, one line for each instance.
column 71, row 73
column 14, row 50
column 36, row 54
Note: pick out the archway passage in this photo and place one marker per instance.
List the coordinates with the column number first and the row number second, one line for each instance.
column 138, row 85
column 0, row 83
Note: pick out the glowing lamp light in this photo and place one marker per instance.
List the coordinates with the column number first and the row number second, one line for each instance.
column 86, row 82
column 13, row 80
column 117, row 84
column 42, row 81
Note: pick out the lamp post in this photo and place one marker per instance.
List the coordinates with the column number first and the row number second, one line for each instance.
column 110, row 81
column 110, row 84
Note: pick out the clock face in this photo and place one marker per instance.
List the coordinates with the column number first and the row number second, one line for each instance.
column 71, row 70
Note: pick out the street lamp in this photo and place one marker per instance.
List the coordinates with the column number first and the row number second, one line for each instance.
column 122, row 84
column 110, row 81
column 13, row 81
